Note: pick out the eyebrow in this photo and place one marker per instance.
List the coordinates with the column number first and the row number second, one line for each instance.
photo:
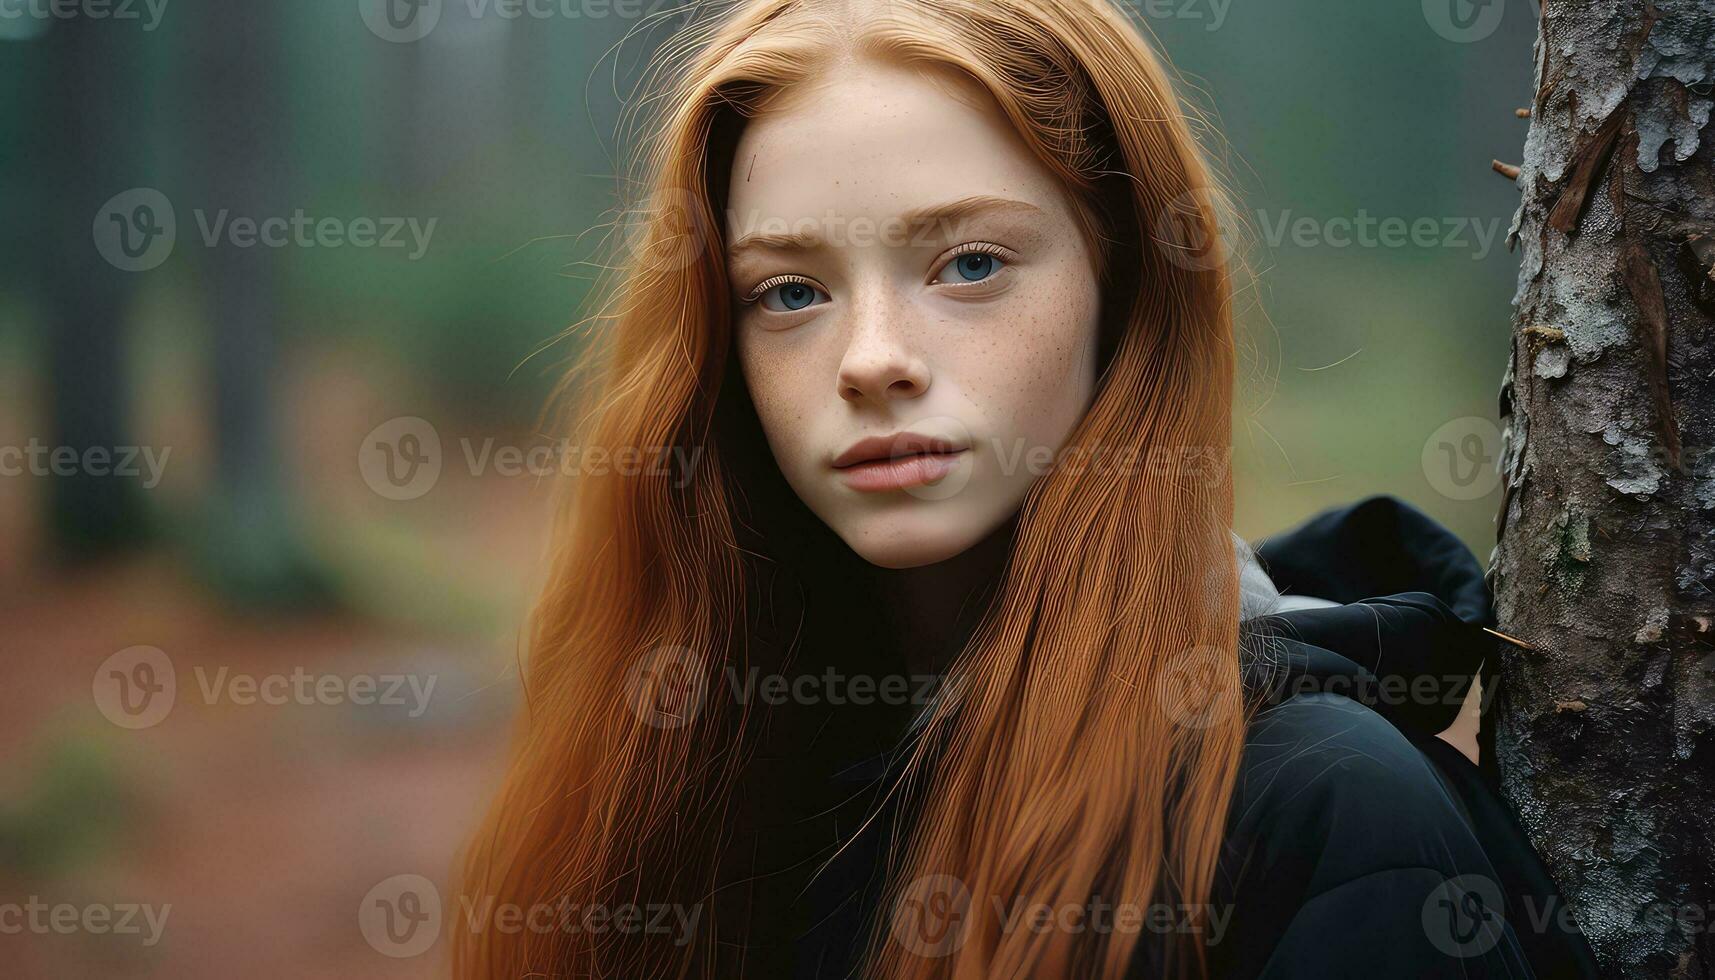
column 916, row 219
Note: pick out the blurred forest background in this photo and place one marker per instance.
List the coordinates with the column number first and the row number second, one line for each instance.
column 254, row 373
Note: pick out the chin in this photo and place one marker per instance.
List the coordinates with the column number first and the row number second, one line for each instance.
column 908, row 543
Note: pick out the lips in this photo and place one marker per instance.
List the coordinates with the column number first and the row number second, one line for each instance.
column 897, row 462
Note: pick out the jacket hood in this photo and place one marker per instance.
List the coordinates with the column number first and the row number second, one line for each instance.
column 1402, row 626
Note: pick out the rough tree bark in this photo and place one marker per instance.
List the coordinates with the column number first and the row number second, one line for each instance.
column 1606, row 554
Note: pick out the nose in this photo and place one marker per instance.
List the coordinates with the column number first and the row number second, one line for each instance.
column 878, row 366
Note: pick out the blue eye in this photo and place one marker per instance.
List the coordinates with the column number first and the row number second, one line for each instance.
column 974, row 265
column 970, row 267
column 795, row 295
column 789, row 297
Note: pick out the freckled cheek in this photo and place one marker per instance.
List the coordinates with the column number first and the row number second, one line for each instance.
column 780, row 394
column 1034, row 374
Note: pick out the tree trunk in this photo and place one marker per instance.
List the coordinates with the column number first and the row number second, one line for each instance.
column 86, row 150
column 1606, row 554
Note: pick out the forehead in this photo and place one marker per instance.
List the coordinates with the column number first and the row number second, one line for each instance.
column 876, row 140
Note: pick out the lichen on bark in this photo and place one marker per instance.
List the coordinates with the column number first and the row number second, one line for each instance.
column 1605, row 733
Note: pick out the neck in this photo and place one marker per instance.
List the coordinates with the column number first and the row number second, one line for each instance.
column 934, row 609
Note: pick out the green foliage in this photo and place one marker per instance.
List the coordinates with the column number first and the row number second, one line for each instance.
column 68, row 813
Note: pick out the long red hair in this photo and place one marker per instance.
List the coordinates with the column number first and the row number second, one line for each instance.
column 1062, row 772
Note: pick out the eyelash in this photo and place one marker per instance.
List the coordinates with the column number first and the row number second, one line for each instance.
column 981, row 248
column 773, row 281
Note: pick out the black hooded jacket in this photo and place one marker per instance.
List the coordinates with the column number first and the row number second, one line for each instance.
column 1358, row 844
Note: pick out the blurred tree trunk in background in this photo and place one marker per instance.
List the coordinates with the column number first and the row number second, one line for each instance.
column 250, row 543
column 1606, row 554
column 89, row 140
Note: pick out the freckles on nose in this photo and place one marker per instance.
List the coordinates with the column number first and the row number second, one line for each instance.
column 881, row 358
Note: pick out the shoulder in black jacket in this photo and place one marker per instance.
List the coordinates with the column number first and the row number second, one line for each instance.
column 1359, row 844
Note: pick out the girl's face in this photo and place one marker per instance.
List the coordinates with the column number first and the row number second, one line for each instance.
column 918, row 310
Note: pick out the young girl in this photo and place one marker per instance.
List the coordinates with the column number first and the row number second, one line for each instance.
column 927, row 659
